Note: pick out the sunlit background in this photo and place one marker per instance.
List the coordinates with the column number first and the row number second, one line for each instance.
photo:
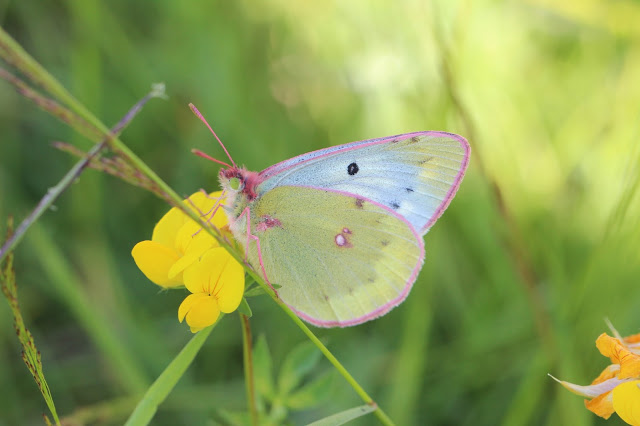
column 540, row 245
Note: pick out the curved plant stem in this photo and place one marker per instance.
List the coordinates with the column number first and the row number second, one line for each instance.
column 247, row 353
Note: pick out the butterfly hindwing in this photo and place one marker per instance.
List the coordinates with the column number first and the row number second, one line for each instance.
column 339, row 259
column 415, row 174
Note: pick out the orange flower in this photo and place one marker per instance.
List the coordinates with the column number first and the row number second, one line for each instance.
column 616, row 389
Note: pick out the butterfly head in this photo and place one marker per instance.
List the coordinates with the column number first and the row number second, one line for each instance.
column 240, row 185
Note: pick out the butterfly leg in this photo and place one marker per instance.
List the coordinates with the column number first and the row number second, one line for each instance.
column 255, row 238
column 210, row 213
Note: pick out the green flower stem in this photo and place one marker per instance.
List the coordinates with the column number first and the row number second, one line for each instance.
column 160, row 389
column 247, row 356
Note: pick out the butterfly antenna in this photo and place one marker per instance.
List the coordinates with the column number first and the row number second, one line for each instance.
column 210, row 158
column 197, row 113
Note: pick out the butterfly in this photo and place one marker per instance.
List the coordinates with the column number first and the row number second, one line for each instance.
column 340, row 230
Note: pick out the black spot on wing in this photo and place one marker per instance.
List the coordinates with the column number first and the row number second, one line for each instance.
column 409, row 190
column 394, row 205
column 359, row 203
column 352, row 169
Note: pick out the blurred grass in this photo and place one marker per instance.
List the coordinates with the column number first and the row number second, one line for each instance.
column 552, row 91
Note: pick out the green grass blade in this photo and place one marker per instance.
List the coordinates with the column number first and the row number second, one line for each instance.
column 147, row 407
column 345, row 416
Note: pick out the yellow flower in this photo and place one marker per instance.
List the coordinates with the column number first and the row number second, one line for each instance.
column 181, row 252
column 217, row 283
column 617, row 387
column 177, row 241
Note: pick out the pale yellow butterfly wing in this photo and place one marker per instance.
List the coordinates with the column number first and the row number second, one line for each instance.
column 339, row 259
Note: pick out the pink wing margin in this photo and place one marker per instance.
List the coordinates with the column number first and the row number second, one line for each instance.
column 389, row 305
column 326, row 152
column 456, row 182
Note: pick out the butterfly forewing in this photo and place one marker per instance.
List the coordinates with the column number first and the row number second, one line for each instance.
column 340, row 260
column 414, row 174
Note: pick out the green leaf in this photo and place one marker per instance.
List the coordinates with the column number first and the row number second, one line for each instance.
column 262, row 368
column 345, row 416
column 244, row 308
column 232, row 418
column 258, row 291
column 313, row 393
column 297, row 364
column 254, row 291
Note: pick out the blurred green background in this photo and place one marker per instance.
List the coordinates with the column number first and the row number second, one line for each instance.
column 548, row 94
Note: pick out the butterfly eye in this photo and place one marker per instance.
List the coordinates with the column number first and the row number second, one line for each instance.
column 235, row 184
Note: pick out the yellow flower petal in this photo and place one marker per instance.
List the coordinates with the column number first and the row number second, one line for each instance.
column 206, row 204
column 181, row 264
column 609, row 372
column 192, row 239
column 167, row 227
column 601, row 405
column 634, row 338
column 186, row 305
column 626, row 402
column 202, row 276
column 202, row 202
column 633, row 342
column 217, row 274
column 618, row 353
column 200, row 310
column 231, row 287
column 155, row 260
